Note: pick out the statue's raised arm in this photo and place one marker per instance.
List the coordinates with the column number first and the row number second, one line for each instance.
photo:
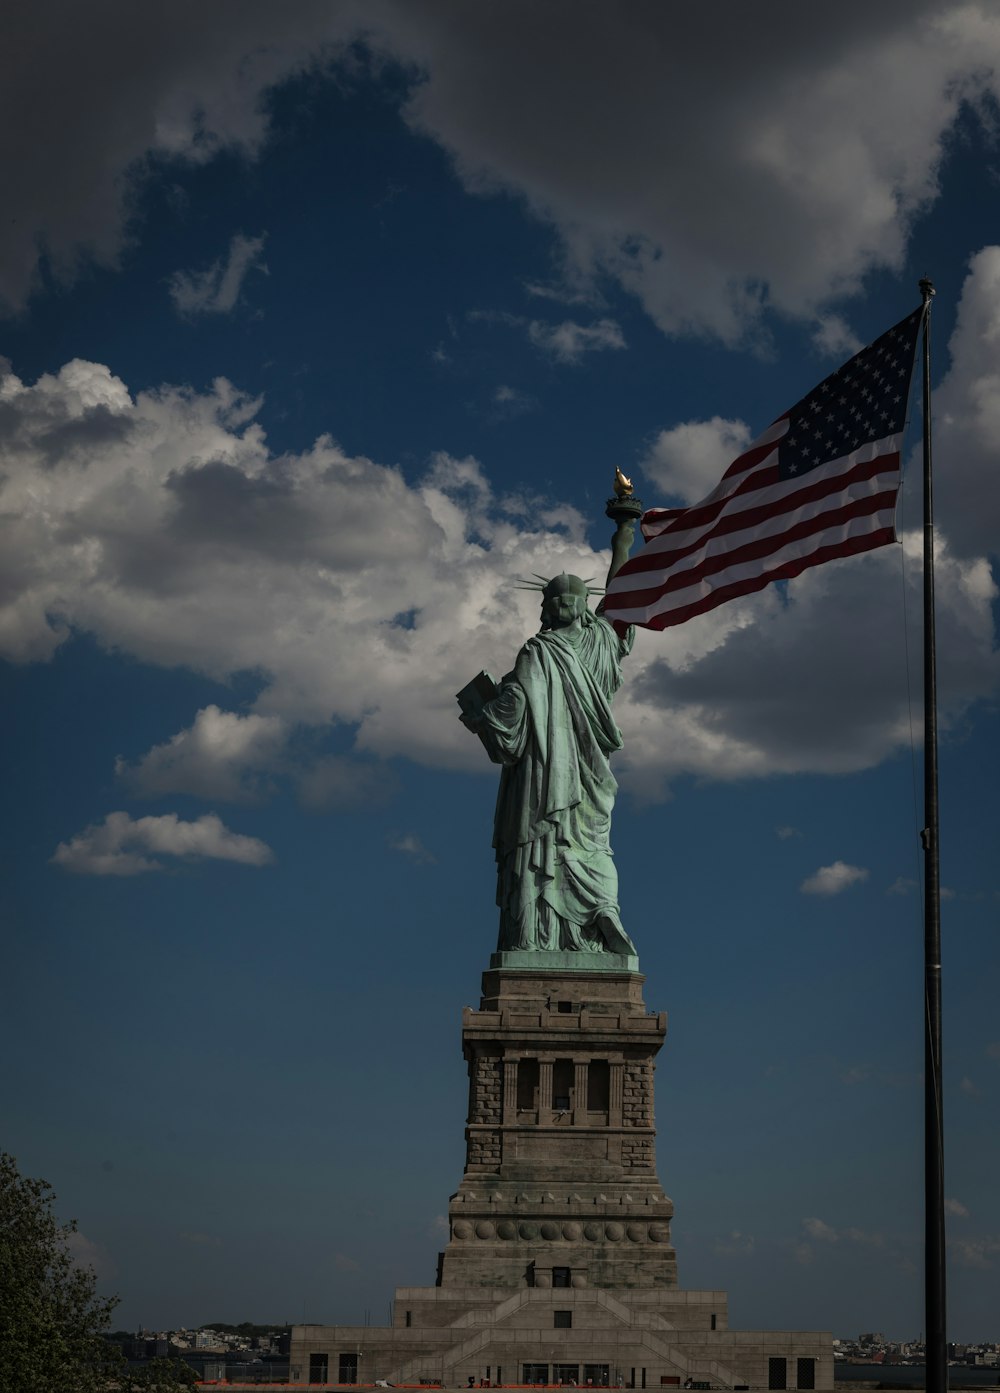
column 624, row 509
column 549, row 725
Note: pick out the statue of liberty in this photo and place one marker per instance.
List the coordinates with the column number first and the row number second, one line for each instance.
column 550, row 727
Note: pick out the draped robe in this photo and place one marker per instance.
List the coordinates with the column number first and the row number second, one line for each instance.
column 551, row 728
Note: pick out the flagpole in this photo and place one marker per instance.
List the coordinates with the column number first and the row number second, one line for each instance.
column 936, row 1349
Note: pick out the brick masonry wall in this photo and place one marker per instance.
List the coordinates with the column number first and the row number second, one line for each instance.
column 486, row 1091
column 484, row 1151
column 637, row 1095
column 637, row 1153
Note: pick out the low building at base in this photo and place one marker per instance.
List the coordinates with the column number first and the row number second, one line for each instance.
column 559, row 1268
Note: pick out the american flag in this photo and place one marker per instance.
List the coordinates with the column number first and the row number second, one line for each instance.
column 820, row 483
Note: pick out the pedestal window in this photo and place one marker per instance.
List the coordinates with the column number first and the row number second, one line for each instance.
column 598, row 1085
column 527, row 1085
column 562, row 1085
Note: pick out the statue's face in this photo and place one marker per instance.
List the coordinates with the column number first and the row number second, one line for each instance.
column 560, row 608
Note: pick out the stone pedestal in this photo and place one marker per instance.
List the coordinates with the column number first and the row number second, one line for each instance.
column 559, row 1267
column 560, row 1184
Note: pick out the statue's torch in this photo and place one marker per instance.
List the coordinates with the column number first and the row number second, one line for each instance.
column 624, row 509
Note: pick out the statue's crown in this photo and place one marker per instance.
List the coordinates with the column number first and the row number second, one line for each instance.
column 562, row 584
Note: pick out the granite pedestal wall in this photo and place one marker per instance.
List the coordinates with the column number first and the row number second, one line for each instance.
column 560, row 1184
column 559, row 1265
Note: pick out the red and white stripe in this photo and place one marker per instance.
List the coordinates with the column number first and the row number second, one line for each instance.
column 754, row 528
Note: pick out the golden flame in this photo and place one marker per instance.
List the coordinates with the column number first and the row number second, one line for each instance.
column 623, row 486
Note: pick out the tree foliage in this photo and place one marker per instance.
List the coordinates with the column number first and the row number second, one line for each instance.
column 51, row 1318
column 158, row 1376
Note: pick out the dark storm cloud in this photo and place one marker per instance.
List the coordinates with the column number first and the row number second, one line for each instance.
column 88, row 91
column 714, row 158
column 793, row 687
column 272, row 514
column 711, row 157
column 61, row 435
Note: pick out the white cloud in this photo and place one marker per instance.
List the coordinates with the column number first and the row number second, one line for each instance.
column 827, row 137
column 564, row 293
column 785, row 834
column 968, row 1088
column 831, row 880
column 222, row 755
column 834, row 337
column 956, row 1209
column 181, row 83
column 163, row 525
column 821, row 1232
column 863, row 1236
column 902, row 885
column 967, row 414
column 568, row 342
column 121, row 846
column 238, row 758
column 977, row 1253
column 687, row 461
column 736, row 1244
column 511, row 401
column 217, row 289
column 410, row 845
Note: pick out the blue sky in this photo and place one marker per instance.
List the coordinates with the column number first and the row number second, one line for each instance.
column 324, row 327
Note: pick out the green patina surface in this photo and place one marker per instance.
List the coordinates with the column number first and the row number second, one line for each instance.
column 550, row 727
